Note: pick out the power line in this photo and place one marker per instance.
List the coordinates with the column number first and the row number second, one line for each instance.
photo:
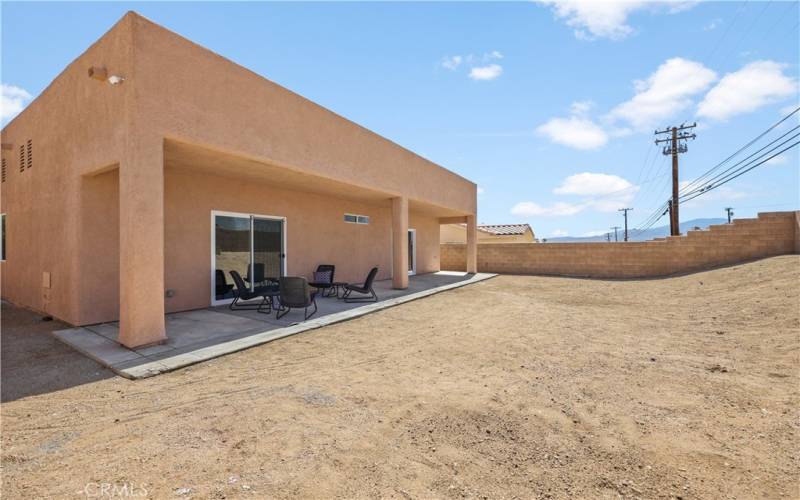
column 741, row 172
column 772, row 32
column 654, row 217
column 726, row 160
column 711, row 179
column 735, row 168
column 725, row 33
column 649, row 168
column 749, row 28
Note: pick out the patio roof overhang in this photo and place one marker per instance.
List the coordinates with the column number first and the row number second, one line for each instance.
column 192, row 157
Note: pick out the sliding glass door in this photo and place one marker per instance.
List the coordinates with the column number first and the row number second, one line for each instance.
column 251, row 245
column 267, row 248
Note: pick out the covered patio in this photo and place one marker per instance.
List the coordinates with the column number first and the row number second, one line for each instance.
column 203, row 334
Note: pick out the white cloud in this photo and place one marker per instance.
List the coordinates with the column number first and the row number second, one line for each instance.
column 581, row 107
column 452, row 63
column 531, row 209
column 559, row 233
column 601, row 192
column 778, row 160
column 592, row 234
column 604, row 19
column 489, row 72
column 593, row 184
column 479, row 64
column 13, row 99
column 713, row 24
column 755, row 85
column 576, row 132
column 480, row 190
column 664, row 93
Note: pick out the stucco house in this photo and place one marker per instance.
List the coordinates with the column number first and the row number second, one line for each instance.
column 488, row 233
column 150, row 163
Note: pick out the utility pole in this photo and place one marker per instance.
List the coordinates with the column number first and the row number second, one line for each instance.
column 616, row 238
column 625, row 213
column 608, row 237
column 730, row 213
column 677, row 144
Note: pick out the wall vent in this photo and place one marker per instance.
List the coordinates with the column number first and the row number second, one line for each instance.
column 22, row 158
column 4, row 170
column 30, row 153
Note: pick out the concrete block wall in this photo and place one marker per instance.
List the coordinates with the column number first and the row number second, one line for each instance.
column 772, row 233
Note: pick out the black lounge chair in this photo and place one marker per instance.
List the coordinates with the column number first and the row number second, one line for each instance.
column 258, row 271
column 296, row 293
column 365, row 289
column 326, row 287
column 221, row 284
column 244, row 294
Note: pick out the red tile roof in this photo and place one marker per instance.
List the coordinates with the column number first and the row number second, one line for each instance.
column 504, row 229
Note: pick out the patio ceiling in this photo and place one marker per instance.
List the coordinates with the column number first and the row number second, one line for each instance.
column 181, row 155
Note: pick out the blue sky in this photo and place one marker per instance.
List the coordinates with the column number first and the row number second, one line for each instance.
column 549, row 108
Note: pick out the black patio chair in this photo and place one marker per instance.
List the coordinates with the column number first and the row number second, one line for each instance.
column 221, row 284
column 243, row 293
column 323, row 279
column 258, row 274
column 364, row 289
column 296, row 293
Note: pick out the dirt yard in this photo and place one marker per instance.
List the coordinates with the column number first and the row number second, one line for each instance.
column 517, row 387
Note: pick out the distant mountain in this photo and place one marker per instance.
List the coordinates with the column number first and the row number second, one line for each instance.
column 653, row 232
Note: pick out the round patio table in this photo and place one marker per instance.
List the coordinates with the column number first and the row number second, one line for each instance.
column 338, row 285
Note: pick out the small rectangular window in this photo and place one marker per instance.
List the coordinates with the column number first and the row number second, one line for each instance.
column 356, row 219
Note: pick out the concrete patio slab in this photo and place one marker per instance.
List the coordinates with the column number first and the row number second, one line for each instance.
column 200, row 335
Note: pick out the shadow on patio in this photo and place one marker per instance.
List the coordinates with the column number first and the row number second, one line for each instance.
column 28, row 354
column 199, row 335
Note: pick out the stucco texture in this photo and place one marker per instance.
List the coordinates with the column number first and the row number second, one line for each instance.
column 117, row 204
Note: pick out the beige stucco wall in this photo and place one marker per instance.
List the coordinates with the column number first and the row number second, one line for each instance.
column 99, row 212
column 76, row 125
column 315, row 232
column 185, row 92
column 456, row 233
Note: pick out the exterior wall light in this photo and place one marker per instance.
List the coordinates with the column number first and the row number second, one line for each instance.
column 116, row 79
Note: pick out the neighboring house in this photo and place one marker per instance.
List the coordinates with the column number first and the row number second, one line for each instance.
column 488, row 233
column 151, row 167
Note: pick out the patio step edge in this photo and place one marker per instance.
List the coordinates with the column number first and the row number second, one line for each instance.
column 156, row 365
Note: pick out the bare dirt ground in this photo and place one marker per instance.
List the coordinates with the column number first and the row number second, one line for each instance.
column 527, row 387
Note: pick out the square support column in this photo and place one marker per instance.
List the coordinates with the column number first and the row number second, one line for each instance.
column 472, row 244
column 141, row 243
column 400, row 243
